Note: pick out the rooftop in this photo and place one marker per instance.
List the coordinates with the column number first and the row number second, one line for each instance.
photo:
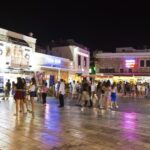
column 66, row 43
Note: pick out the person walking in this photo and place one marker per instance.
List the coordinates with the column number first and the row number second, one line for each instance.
column 8, row 88
column 61, row 93
column 85, row 93
column 107, row 95
column 44, row 93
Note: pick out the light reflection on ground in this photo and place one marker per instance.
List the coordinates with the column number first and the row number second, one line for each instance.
column 129, row 124
column 69, row 128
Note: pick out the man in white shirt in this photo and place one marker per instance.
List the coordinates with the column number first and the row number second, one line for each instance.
column 61, row 93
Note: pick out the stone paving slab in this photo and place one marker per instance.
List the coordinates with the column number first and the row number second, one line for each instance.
column 69, row 128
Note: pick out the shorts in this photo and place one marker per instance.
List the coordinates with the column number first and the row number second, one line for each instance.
column 33, row 94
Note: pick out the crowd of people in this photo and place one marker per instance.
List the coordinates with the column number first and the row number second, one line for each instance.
column 134, row 90
column 104, row 94
column 87, row 93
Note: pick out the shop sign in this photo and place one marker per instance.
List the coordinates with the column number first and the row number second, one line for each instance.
column 130, row 63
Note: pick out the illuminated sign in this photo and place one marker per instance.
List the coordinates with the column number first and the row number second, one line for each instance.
column 130, row 63
column 54, row 61
column 51, row 61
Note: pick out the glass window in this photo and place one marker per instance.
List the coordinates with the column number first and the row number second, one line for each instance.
column 105, row 70
column 121, row 70
column 79, row 60
column 147, row 63
column 142, row 63
column 130, row 70
column 85, row 62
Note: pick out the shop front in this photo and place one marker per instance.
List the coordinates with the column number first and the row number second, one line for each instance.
column 15, row 62
column 52, row 75
column 117, row 79
column 52, row 68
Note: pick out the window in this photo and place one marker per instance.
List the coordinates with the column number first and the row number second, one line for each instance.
column 121, row 70
column 79, row 60
column 130, row 70
column 142, row 63
column 111, row 70
column 85, row 62
column 147, row 63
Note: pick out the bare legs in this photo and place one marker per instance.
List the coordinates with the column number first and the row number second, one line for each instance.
column 17, row 106
column 26, row 103
column 32, row 103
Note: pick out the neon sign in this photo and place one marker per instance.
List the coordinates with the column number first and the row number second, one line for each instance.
column 130, row 63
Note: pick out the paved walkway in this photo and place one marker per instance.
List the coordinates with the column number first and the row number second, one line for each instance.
column 69, row 128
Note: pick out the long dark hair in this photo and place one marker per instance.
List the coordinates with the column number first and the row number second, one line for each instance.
column 33, row 81
column 19, row 84
column 24, row 82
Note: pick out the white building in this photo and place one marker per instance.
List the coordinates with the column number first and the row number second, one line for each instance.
column 19, row 59
column 78, row 54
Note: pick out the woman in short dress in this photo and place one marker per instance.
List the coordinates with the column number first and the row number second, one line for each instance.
column 32, row 91
column 19, row 96
column 25, row 96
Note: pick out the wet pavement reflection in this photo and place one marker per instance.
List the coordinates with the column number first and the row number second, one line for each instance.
column 75, row 128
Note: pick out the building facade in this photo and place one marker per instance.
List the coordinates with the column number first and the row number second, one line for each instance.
column 126, row 64
column 79, row 56
column 19, row 58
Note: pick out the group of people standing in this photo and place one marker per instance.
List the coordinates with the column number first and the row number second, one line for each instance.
column 23, row 92
column 134, row 90
column 88, row 93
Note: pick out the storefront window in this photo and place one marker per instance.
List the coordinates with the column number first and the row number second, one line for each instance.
column 121, row 70
column 85, row 62
column 130, row 70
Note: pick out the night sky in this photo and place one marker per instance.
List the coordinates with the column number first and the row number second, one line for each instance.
column 95, row 24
